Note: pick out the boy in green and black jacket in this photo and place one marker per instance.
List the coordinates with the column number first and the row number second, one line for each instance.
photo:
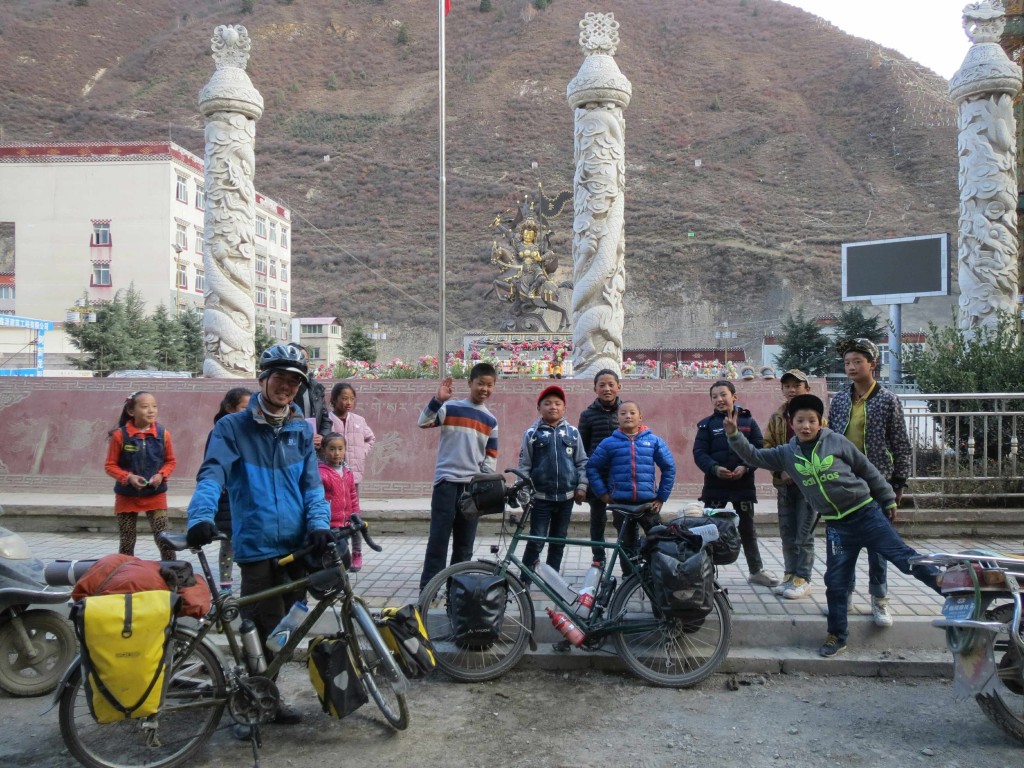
column 842, row 486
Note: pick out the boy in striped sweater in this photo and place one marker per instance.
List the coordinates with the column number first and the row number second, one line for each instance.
column 468, row 446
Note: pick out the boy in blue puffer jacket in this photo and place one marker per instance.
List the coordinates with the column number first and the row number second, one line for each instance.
column 622, row 468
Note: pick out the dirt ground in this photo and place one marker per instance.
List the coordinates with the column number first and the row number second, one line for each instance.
column 591, row 719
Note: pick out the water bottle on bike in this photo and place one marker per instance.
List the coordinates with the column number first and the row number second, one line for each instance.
column 283, row 631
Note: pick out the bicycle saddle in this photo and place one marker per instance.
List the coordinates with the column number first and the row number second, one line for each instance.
column 632, row 511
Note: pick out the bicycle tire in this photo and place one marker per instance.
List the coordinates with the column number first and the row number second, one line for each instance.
column 473, row 665
column 677, row 654
column 192, row 708
column 380, row 670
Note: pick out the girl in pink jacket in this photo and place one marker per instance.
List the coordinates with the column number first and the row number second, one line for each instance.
column 340, row 489
column 352, row 426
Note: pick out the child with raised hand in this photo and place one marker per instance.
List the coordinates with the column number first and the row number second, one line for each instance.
column 140, row 458
column 340, row 488
column 552, row 455
column 843, row 486
column 623, row 467
column 359, row 439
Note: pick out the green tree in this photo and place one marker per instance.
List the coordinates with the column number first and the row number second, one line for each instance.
column 485, row 6
column 248, row 6
column 190, row 324
column 168, row 351
column 403, row 34
column 854, row 324
column 804, row 346
column 122, row 337
column 263, row 342
column 359, row 346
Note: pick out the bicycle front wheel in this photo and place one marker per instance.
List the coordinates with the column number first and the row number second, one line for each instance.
column 474, row 664
column 381, row 673
column 674, row 653
column 192, row 707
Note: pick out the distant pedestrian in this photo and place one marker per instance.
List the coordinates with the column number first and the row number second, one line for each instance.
column 141, row 459
column 236, row 399
column 359, row 440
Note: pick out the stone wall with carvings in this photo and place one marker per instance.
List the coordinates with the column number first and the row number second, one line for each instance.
column 53, row 432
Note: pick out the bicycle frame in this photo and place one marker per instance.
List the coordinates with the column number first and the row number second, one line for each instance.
column 594, row 626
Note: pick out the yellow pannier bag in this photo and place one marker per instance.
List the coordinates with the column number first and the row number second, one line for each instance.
column 125, row 642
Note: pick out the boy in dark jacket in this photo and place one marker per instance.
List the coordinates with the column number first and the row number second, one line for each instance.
column 842, row 486
column 597, row 422
column 552, row 455
column 622, row 469
column 727, row 478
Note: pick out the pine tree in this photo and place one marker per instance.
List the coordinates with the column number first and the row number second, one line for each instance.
column 804, row 346
column 190, row 324
column 485, row 6
column 854, row 324
column 359, row 346
column 169, row 352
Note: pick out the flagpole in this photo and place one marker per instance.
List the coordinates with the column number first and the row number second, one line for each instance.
column 442, row 357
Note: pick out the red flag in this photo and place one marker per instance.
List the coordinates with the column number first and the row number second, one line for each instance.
column 447, row 6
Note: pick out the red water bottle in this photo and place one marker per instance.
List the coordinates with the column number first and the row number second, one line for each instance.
column 566, row 627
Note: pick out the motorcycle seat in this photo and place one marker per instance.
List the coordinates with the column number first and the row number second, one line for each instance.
column 17, row 596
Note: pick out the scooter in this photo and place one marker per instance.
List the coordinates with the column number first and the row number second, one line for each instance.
column 36, row 645
column 982, row 617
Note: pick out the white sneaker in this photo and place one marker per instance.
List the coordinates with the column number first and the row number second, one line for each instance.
column 764, row 578
column 880, row 612
column 799, row 588
column 787, row 582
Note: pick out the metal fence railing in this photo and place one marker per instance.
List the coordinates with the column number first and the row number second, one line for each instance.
column 967, row 437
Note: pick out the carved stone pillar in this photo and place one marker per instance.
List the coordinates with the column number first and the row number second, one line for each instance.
column 984, row 88
column 598, row 94
column 231, row 106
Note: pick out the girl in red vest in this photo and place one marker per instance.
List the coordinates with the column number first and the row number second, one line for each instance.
column 140, row 458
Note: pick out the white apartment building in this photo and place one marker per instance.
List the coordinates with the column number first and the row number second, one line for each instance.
column 92, row 219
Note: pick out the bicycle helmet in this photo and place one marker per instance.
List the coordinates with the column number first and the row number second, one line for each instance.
column 281, row 357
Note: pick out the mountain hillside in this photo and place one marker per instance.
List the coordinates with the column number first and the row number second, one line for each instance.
column 806, row 138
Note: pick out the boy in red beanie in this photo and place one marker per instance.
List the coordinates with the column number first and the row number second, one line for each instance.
column 552, row 454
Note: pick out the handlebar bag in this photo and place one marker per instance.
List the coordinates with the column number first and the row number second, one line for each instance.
column 335, row 677
column 126, row 651
column 485, row 495
column 403, row 631
column 476, row 608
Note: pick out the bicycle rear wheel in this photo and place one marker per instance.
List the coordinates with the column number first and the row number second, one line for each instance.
column 192, row 707
column 475, row 664
column 677, row 653
column 381, row 673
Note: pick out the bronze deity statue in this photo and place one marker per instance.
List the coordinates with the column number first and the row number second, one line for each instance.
column 527, row 264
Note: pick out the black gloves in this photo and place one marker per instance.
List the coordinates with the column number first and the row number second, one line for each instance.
column 200, row 534
column 319, row 540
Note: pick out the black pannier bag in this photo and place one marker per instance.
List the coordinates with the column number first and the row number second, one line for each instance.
column 485, row 495
column 682, row 574
column 726, row 550
column 335, row 677
column 476, row 608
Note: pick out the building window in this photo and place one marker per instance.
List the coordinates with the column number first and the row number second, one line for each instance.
column 284, row 272
column 284, row 237
column 284, row 301
column 312, row 330
column 200, row 281
column 6, row 291
column 199, row 241
column 273, row 267
column 200, row 196
column 100, row 273
column 273, row 232
column 182, row 275
column 314, row 353
column 261, row 265
column 273, row 299
column 181, row 236
column 273, row 329
column 261, row 296
column 261, row 226
column 101, row 233
column 181, row 189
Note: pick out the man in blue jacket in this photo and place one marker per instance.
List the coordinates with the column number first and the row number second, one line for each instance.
column 727, row 478
column 264, row 457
